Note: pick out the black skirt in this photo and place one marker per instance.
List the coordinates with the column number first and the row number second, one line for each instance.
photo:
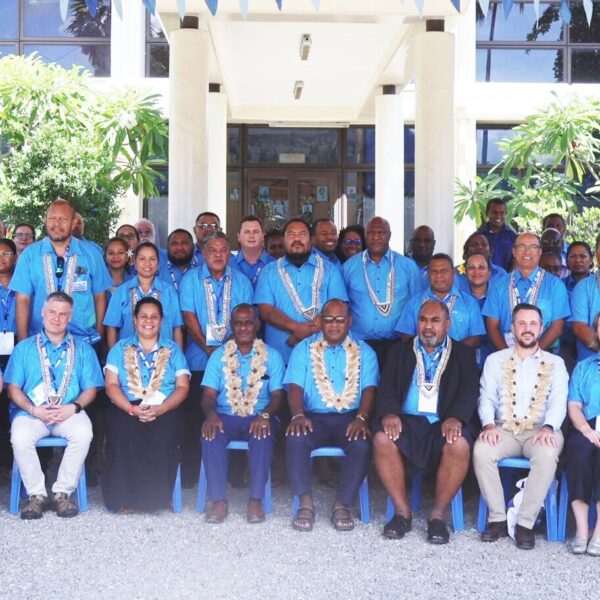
column 141, row 460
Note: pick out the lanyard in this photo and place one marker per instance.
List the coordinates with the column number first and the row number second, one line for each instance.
column 432, row 364
column 54, row 366
column 149, row 365
column 6, row 299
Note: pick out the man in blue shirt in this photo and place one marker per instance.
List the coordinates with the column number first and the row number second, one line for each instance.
column 380, row 282
column 325, row 239
column 292, row 290
column 51, row 377
column 465, row 316
column 61, row 262
column 331, row 379
column 422, row 244
column 251, row 258
column 180, row 257
column 499, row 235
column 426, row 402
column 205, row 224
column 242, row 392
column 526, row 283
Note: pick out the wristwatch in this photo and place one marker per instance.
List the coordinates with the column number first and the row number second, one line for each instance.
column 265, row 415
column 77, row 407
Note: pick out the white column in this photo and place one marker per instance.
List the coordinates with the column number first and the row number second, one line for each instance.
column 389, row 165
column 217, row 155
column 128, row 42
column 434, row 132
column 188, row 84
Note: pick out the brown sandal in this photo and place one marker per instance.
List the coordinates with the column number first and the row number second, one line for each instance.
column 341, row 518
column 303, row 522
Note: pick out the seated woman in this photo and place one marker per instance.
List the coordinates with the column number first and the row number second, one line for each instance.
column 583, row 448
column 146, row 378
column 119, row 314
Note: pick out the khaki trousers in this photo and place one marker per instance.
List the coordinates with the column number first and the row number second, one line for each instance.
column 26, row 432
column 543, row 470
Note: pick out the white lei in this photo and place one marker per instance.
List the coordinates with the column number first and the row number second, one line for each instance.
column 218, row 330
column 383, row 308
column 312, row 311
column 242, row 402
column 346, row 398
column 56, row 396
column 431, row 389
column 533, row 293
column 69, row 275
column 508, row 395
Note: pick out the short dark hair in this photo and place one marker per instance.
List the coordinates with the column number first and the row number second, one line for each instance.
column 148, row 300
column 143, row 245
column 207, row 213
column 250, row 219
column 439, row 303
column 488, row 259
column 296, row 220
column 246, row 306
column 314, row 225
column 526, row 306
column 470, row 239
column 271, row 234
column 335, row 301
column 442, row 256
column 10, row 244
column 59, row 297
column 213, row 235
column 553, row 216
column 137, row 234
column 494, row 201
column 583, row 244
column 29, row 225
column 187, row 233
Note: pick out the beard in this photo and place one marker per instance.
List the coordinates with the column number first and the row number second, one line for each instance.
column 430, row 341
column 526, row 345
column 181, row 260
column 298, row 259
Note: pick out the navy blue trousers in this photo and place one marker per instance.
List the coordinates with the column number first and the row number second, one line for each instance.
column 329, row 429
column 583, row 468
column 214, row 455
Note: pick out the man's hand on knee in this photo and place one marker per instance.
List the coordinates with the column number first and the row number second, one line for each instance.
column 490, row 435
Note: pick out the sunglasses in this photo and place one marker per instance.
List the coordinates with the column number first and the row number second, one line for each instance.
column 331, row 319
column 211, row 226
column 352, row 242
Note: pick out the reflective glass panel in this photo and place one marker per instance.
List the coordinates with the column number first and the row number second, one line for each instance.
column 520, row 65
column 409, row 206
column 96, row 57
column 521, row 23
column 42, row 20
column 579, row 31
column 488, row 152
column 6, row 49
column 360, row 145
column 270, row 200
column 409, row 145
column 235, row 206
column 585, row 66
column 155, row 31
column 233, row 146
column 159, row 60
column 9, row 19
column 360, row 192
column 274, row 145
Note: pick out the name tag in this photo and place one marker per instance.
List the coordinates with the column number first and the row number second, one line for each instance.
column 80, row 286
column 154, row 400
column 428, row 403
column 597, row 423
column 37, row 395
column 509, row 338
column 7, row 343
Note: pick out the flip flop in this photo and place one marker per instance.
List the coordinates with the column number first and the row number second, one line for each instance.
column 304, row 523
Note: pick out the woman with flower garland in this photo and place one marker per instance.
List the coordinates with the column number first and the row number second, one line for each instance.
column 146, row 379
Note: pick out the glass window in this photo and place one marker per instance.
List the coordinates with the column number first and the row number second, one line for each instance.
column 409, row 145
column 360, row 145
column 520, row 65
column 158, row 60
column 409, row 206
column 579, row 31
column 155, row 30
column 488, row 152
column 585, row 66
column 9, row 19
column 6, row 49
column 95, row 57
column 234, row 205
column 43, row 20
column 233, row 145
column 276, row 145
column 360, row 192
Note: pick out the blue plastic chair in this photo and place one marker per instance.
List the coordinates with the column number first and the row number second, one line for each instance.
column 16, row 482
column 563, row 509
column 203, row 482
column 458, row 517
column 550, row 503
column 363, row 492
column 177, row 496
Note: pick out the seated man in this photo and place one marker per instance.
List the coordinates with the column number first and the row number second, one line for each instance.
column 425, row 402
column 522, row 404
column 51, row 376
column 331, row 380
column 242, row 391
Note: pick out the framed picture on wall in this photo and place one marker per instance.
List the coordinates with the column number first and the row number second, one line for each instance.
column 322, row 193
column 234, row 193
column 264, row 193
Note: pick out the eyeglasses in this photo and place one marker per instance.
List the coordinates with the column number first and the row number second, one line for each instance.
column 211, row 226
column 331, row 319
column 147, row 231
column 60, row 266
column 6, row 254
column 352, row 242
column 23, row 236
column 116, row 253
column 127, row 236
column 530, row 247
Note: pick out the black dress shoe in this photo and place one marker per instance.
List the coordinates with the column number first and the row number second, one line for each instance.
column 397, row 527
column 524, row 538
column 437, row 532
column 494, row 531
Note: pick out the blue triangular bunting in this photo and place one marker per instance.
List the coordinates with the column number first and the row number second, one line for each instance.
column 588, row 6
column 92, row 7
column 316, row 4
column 507, row 5
column 456, row 4
column 536, row 9
column 64, row 9
column 565, row 11
column 279, row 3
column 244, row 8
column 118, row 8
column 150, row 5
column 212, row 6
column 181, row 8
column 420, row 4
column 484, row 4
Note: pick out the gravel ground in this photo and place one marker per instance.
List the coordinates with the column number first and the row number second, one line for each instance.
column 103, row 555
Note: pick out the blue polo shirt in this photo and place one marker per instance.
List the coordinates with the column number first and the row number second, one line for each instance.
column 177, row 365
column 466, row 320
column 270, row 289
column 333, row 259
column 552, row 299
column 271, row 382
column 367, row 322
column 120, row 308
column 584, row 386
column 91, row 278
column 501, row 244
column 300, row 372
column 192, row 299
column 585, row 305
column 7, row 310
column 169, row 273
column 238, row 262
column 24, row 369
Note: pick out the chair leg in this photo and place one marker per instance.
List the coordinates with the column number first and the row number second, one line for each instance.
column 481, row 514
column 268, row 500
column 202, row 485
column 363, row 495
column 176, row 499
column 563, row 508
column 82, row 499
column 15, row 490
column 552, row 513
column 390, row 510
column 295, row 506
column 458, row 517
column 416, row 490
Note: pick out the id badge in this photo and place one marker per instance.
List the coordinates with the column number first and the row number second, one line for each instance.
column 428, row 403
column 597, row 423
column 509, row 338
column 80, row 286
column 156, row 399
column 37, row 395
column 7, row 343
column 211, row 340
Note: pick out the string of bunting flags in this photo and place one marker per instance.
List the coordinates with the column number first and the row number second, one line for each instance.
column 213, row 5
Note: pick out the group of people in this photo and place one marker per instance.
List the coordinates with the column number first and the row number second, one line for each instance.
column 304, row 338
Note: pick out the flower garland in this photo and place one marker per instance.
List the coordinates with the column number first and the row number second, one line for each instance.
column 242, row 402
column 134, row 372
column 383, row 308
column 324, row 385
column 508, row 395
column 312, row 311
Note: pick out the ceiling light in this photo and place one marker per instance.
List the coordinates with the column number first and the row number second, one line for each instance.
column 298, row 86
column 305, row 43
